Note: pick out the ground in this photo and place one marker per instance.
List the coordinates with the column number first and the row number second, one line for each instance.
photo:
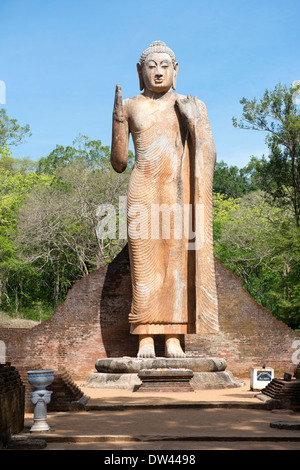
column 16, row 322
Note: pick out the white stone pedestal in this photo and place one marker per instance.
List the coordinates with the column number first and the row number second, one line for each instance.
column 260, row 377
column 40, row 379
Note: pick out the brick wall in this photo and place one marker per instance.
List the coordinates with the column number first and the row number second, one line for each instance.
column 249, row 334
column 92, row 323
column 12, row 401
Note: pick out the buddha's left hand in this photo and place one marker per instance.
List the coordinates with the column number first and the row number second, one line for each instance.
column 188, row 109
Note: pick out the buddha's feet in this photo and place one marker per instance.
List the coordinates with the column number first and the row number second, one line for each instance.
column 173, row 347
column 146, row 346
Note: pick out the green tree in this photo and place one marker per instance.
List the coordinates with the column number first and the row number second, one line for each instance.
column 259, row 241
column 232, row 181
column 11, row 133
column 91, row 152
column 277, row 114
column 57, row 225
column 17, row 179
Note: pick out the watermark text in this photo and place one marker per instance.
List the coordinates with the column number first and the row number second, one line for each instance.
column 2, row 92
column 154, row 221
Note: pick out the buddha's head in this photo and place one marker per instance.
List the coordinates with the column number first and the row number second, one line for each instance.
column 157, row 68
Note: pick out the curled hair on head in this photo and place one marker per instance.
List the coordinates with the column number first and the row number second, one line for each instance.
column 157, row 46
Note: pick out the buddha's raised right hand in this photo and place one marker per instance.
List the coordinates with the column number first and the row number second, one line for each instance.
column 118, row 112
column 120, row 134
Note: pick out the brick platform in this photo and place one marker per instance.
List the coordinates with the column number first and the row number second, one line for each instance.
column 283, row 393
column 162, row 380
column 92, row 323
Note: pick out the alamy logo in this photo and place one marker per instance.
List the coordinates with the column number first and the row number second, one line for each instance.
column 296, row 354
column 2, row 352
column 296, row 94
column 2, row 92
column 157, row 221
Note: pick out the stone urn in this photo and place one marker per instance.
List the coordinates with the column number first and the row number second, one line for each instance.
column 40, row 379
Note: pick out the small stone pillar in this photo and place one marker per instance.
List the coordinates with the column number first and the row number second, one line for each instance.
column 40, row 379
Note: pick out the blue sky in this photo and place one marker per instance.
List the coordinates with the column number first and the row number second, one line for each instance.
column 60, row 61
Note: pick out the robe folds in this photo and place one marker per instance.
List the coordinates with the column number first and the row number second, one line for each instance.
column 169, row 220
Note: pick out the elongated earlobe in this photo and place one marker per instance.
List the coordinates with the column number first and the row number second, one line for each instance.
column 139, row 71
column 175, row 76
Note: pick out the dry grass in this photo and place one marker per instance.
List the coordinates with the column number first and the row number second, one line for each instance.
column 9, row 322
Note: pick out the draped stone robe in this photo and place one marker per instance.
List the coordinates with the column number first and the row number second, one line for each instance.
column 173, row 280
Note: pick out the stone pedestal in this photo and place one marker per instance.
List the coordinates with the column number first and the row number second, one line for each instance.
column 260, row 377
column 40, row 379
column 165, row 380
column 123, row 373
column 40, row 399
column 281, row 393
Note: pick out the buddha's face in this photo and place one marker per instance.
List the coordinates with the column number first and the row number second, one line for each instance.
column 158, row 72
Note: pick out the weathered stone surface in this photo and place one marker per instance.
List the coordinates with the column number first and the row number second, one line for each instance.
column 173, row 283
column 280, row 393
column 114, row 381
column 26, row 444
column 215, row 380
column 123, row 373
column 130, row 381
column 134, row 365
column 289, row 425
column 165, row 380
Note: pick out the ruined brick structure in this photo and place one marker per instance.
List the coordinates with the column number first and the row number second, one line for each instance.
column 92, row 323
column 12, row 403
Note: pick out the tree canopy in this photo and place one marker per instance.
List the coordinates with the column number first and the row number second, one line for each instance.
column 11, row 133
column 277, row 114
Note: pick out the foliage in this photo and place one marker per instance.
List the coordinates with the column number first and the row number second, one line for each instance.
column 48, row 220
column 260, row 243
column 11, row 133
column 16, row 179
column 278, row 115
column 89, row 152
column 257, row 232
column 231, row 181
column 57, row 224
